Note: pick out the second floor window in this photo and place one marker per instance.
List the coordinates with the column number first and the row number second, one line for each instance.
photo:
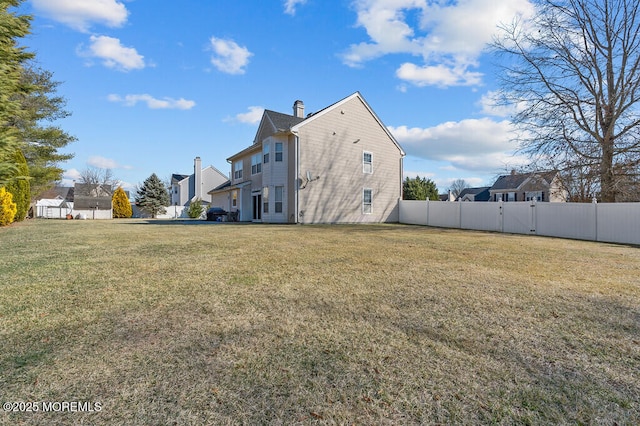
column 367, row 162
column 256, row 164
column 265, row 153
column 237, row 170
column 278, row 151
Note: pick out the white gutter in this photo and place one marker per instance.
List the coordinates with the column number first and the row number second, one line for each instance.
column 297, row 173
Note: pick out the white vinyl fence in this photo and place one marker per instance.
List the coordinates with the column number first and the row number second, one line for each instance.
column 616, row 223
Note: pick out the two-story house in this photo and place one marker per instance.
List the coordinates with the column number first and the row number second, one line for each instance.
column 338, row 165
column 186, row 188
column 539, row 186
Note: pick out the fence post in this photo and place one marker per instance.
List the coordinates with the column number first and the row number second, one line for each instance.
column 534, row 217
column 427, row 221
column 594, row 201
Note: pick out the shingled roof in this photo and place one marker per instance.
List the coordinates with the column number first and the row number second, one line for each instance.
column 515, row 180
column 92, row 196
column 282, row 121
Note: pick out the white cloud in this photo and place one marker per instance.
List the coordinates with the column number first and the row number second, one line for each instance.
column 152, row 103
column 228, row 56
column 113, row 54
column 290, row 6
column 80, row 14
column 253, row 116
column 449, row 36
column 492, row 104
column 71, row 175
column 102, row 162
column 477, row 145
column 438, row 75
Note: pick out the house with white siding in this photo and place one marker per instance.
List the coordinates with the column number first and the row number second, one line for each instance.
column 187, row 188
column 543, row 186
column 338, row 165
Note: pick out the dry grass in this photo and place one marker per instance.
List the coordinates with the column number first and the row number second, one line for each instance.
column 166, row 323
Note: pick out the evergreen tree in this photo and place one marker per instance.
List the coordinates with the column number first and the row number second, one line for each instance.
column 41, row 141
column 419, row 189
column 121, row 204
column 12, row 59
column 19, row 187
column 153, row 197
column 27, row 102
column 195, row 209
column 7, row 207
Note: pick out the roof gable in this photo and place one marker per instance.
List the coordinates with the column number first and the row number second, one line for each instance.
column 273, row 122
column 516, row 181
column 349, row 98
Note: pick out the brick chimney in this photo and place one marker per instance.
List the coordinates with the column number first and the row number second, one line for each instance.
column 197, row 174
column 298, row 109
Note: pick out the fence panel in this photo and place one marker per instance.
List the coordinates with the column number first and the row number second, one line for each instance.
column 481, row 216
column 444, row 214
column 566, row 220
column 518, row 218
column 619, row 223
column 413, row 212
column 616, row 223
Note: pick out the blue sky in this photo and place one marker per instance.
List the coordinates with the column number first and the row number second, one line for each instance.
column 153, row 84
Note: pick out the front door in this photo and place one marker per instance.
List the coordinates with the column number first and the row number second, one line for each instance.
column 257, row 207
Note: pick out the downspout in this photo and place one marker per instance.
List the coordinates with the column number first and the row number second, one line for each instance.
column 297, row 173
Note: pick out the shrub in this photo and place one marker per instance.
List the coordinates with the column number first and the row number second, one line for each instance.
column 19, row 187
column 8, row 208
column 195, row 209
column 121, row 204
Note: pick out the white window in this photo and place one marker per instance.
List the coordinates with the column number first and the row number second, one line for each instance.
column 237, row 170
column 367, row 201
column 256, row 164
column 265, row 199
column 265, row 153
column 279, row 191
column 234, row 199
column 511, row 196
column 279, row 151
column 534, row 195
column 367, row 162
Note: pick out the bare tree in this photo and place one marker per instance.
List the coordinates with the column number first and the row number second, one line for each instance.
column 98, row 176
column 457, row 186
column 574, row 72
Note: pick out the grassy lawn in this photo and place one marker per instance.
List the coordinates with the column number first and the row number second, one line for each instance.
column 166, row 323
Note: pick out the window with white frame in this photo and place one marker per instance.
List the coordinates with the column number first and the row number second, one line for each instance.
column 367, row 201
column 234, row 199
column 237, row 170
column 256, row 164
column 367, row 162
column 265, row 153
column 265, row 199
column 278, row 197
column 279, row 149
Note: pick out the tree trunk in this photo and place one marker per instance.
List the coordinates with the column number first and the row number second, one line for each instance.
column 607, row 181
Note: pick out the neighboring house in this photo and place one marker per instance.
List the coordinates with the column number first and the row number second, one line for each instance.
column 474, row 194
column 92, row 201
column 338, row 165
column 55, row 202
column 539, row 186
column 446, row 197
column 186, row 188
column 53, row 208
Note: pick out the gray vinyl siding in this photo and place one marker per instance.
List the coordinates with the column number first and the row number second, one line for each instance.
column 331, row 149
